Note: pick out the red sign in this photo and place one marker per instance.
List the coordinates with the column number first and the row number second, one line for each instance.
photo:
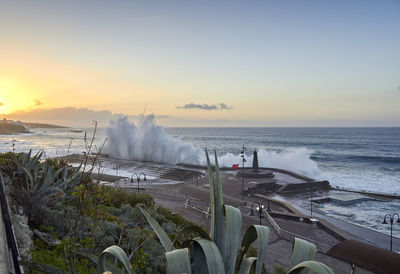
column 235, row 166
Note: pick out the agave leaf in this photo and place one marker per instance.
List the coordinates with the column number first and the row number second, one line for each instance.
column 212, row 197
column 162, row 235
column 95, row 259
column 27, row 172
column 247, row 264
column 302, row 251
column 119, row 254
column 252, row 233
column 206, row 257
column 314, row 266
column 178, row 261
column 219, row 209
column 232, row 237
column 26, row 157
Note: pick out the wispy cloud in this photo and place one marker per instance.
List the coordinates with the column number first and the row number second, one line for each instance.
column 221, row 106
column 224, row 106
column 69, row 116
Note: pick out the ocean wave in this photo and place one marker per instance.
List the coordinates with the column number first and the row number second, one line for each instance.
column 149, row 142
column 374, row 159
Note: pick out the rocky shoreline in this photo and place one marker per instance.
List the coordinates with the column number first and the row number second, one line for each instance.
column 9, row 128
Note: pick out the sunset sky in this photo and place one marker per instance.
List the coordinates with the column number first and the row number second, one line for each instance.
column 202, row 63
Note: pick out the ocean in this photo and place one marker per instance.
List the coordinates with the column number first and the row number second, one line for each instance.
column 353, row 158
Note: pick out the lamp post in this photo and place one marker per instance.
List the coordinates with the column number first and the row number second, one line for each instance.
column 392, row 219
column 243, row 161
column 260, row 211
column 138, row 178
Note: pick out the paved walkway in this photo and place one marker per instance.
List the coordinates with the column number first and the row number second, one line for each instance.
column 279, row 249
column 355, row 232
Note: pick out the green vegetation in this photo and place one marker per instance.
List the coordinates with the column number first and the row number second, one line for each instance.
column 74, row 218
column 81, row 218
column 221, row 251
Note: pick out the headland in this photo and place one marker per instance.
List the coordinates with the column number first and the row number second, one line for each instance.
column 9, row 127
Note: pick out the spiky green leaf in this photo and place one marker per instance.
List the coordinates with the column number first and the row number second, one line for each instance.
column 314, row 266
column 118, row 253
column 206, row 257
column 219, row 209
column 162, row 235
column 302, row 251
column 232, row 237
column 212, row 197
column 178, row 261
column 255, row 232
column 247, row 265
column 95, row 259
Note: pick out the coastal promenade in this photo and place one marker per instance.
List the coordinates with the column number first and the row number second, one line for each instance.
column 293, row 222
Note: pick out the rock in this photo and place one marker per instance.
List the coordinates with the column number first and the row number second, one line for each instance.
column 23, row 236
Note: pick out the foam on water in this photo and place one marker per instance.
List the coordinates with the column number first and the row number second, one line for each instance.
column 149, row 142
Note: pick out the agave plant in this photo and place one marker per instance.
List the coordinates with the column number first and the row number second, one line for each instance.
column 222, row 251
column 36, row 180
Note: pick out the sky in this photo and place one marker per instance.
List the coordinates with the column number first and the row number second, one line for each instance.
column 202, row 63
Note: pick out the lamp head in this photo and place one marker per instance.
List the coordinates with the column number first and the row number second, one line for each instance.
column 384, row 221
column 144, row 177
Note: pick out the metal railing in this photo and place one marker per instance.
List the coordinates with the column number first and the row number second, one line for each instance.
column 287, row 235
column 189, row 204
column 274, row 225
column 11, row 258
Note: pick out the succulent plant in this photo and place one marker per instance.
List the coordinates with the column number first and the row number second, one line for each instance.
column 222, row 252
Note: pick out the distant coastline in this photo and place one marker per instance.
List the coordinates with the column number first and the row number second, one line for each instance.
column 8, row 127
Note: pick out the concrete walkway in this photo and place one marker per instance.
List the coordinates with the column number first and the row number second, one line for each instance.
column 356, row 232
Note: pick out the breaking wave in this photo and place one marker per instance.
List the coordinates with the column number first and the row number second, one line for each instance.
column 149, row 142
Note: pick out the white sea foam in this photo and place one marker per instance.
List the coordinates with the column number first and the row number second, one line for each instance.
column 149, row 142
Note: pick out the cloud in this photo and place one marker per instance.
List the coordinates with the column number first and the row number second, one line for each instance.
column 221, row 106
column 38, row 103
column 68, row 116
column 224, row 106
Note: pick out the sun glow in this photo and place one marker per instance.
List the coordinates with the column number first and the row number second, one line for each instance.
column 15, row 95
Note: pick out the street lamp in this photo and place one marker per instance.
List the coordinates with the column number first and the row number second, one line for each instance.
column 138, row 178
column 260, row 211
column 243, row 161
column 391, row 217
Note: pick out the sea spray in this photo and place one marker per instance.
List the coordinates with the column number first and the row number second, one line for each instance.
column 293, row 159
column 149, row 142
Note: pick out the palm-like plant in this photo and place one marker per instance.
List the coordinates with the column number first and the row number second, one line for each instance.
column 222, row 251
